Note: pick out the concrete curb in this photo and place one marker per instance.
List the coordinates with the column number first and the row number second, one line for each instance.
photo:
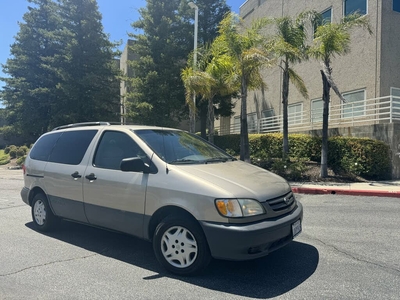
column 15, row 168
column 341, row 191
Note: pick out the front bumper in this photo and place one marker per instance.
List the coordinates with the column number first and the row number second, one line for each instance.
column 249, row 241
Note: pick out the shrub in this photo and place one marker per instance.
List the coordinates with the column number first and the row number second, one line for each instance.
column 231, row 152
column 13, row 153
column 11, row 149
column 4, row 160
column 25, row 149
column 290, row 170
column 360, row 156
column 305, row 146
column 231, row 142
column 20, row 152
column 265, row 146
column 269, row 146
column 20, row 161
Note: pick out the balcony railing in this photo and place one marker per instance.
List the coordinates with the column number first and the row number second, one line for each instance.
column 350, row 114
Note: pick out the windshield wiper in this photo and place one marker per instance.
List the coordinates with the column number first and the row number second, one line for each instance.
column 216, row 159
column 184, row 161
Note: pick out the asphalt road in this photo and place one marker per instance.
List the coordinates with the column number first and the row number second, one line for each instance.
column 349, row 249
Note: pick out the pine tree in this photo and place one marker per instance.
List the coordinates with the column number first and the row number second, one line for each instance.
column 61, row 68
column 89, row 90
column 157, row 94
column 211, row 13
column 30, row 92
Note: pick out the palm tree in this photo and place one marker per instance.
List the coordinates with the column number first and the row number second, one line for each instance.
column 289, row 45
column 332, row 39
column 208, row 81
column 244, row 47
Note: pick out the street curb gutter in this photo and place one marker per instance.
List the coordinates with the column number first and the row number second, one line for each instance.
column 339, row 191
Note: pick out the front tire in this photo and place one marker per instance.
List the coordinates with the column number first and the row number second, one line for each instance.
column 42, row 216
column 180, row 246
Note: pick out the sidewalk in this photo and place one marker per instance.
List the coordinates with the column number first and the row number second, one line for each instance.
column 388, row 188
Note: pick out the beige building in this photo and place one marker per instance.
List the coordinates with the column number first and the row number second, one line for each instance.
column 368, row 77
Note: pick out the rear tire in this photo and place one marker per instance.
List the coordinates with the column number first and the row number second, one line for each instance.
column 42, row 216
column 180, row 246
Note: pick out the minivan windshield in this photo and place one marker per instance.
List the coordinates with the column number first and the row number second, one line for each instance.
column 179, row 147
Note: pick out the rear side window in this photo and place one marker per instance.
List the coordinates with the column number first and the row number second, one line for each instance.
column 71, row 147
column 44, row 146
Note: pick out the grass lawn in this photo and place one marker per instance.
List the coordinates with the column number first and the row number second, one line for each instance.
column 4, row 158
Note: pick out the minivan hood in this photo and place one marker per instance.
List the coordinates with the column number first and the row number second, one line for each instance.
column 239, row 179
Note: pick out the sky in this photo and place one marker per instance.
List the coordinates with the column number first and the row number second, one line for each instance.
column 117, row 17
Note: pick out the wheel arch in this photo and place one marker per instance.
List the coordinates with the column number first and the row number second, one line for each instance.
column 36, row 190
column 162, row 213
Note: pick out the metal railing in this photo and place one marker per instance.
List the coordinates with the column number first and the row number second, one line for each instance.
column 357, row 113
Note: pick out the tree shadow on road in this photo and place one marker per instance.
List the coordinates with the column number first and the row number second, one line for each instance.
column 268, row 277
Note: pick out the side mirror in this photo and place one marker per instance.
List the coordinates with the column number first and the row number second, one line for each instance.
column 134, row 164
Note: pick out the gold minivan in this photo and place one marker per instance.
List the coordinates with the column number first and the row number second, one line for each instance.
column 190, row 198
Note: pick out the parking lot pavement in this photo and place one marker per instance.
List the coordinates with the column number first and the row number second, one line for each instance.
column 11, row 182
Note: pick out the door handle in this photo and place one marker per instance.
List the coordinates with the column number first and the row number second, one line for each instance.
column 91, row 177
column 76, row 175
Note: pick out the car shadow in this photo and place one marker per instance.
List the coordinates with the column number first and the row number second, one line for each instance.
column 266, row 277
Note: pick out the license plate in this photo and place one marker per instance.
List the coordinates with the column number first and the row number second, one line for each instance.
column 296, row 228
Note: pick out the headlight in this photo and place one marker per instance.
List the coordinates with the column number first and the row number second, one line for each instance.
column 237, row 208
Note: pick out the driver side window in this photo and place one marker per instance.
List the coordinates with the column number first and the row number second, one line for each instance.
column 113, row 147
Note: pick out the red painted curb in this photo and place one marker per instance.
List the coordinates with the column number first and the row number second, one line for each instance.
column 339, row 191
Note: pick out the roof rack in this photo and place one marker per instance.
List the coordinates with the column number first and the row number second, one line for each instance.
column 82, row 125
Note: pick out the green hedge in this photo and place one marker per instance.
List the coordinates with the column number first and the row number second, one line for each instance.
column 359, row 156
column 228, row 142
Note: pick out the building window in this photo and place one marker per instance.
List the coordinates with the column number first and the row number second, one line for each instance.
column 395, row 92
column 317, row 108
column 355, row 104
column 252, row 122
column 326, row 18
column 261, row 2
column 269, row 113
column 269, row 120
column 295, row 112
column 355, row 6
column 396, row 5
column 236, row 124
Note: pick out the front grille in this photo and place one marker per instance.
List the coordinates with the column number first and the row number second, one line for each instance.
column 282, row 202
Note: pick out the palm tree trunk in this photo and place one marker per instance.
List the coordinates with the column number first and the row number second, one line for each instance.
column 244, row 132
column 192, row 124
column 203, row 120
column 285, row 100
column 325, row 118
column 210, row 115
